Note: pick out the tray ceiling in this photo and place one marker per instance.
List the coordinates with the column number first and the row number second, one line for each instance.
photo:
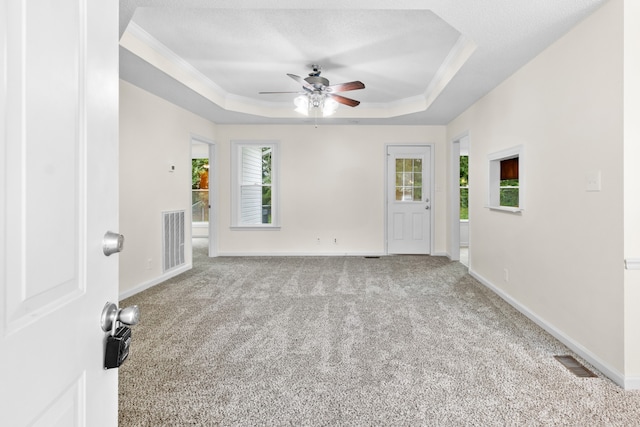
column 423, row 62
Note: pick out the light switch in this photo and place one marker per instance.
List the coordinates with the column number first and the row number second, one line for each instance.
column 593, row 181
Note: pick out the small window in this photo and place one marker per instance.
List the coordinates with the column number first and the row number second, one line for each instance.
column 509, row 188
column 505, row 180
column 255, row 184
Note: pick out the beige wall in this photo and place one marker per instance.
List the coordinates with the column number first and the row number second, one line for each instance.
column 564, row 253
column 332, row 186
column 154, row 135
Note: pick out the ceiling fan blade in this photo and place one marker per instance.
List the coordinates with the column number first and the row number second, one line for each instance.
column 267, row 93
column 343, row 100
column 302, row 81
column 343, row 87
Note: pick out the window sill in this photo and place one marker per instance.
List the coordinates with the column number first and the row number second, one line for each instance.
column 505, row 209
column 632, row 264
column 255, row 227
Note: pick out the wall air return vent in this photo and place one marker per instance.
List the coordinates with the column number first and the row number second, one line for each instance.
column 172, row 240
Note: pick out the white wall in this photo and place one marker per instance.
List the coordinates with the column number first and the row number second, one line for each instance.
column 332, row 186
column 464, row 233
column 154, row 135
column 632, row 185
column 564, row 253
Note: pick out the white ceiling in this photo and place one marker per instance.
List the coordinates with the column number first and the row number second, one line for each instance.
column 422, row 61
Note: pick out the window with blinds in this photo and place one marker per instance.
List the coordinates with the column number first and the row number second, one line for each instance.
column 254, row 189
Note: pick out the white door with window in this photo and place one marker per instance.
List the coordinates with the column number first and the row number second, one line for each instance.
column 59, row 196
column 409, row 199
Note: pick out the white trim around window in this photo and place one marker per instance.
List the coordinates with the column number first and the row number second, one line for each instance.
column 494, row 178
column 242, row 178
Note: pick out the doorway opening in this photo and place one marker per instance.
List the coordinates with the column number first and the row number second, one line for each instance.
column 460, row 200
column 203, row 203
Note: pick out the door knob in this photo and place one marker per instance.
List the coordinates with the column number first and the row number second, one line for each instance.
column 118, row 342
column 112, row 243
column 129, row 315
column 111, row 316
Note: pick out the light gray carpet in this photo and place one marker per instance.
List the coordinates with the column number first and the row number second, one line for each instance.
column 322, row 341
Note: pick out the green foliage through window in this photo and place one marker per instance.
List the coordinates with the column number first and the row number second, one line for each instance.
column 199, row 190
column 199, row 167
column 266, row 179
column 509, row 192
column 464, row 187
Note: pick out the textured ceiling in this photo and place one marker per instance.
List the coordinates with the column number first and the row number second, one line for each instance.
column 423, row 62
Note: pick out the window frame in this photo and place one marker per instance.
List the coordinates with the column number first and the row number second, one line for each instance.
column 236, row 184
column 494, row 178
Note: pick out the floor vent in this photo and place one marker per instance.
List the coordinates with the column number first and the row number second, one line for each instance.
column 172, row 240
column 575, row 367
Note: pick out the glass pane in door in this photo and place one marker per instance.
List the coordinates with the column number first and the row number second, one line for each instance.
column 408, row 179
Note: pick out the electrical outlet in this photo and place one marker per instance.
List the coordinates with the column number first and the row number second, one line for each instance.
column 506, row 275
column 318, row 240
column 593, row 180
column 335, row 240
column 149, row 264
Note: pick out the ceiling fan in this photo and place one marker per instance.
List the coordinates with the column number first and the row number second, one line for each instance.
column 318, row 90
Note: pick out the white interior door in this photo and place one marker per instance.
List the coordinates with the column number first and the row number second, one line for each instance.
column 409, row 199
column 59, row 182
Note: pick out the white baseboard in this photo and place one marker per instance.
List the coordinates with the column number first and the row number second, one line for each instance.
column 446, row 254
column 305, row 254
column 631, row 383
column 146, row 285
column 301, row 254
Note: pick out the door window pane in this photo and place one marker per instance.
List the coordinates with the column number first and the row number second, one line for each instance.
column 408, row 180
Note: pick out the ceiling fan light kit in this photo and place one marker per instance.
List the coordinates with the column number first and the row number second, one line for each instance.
column 318, row 96
column 309, row 103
